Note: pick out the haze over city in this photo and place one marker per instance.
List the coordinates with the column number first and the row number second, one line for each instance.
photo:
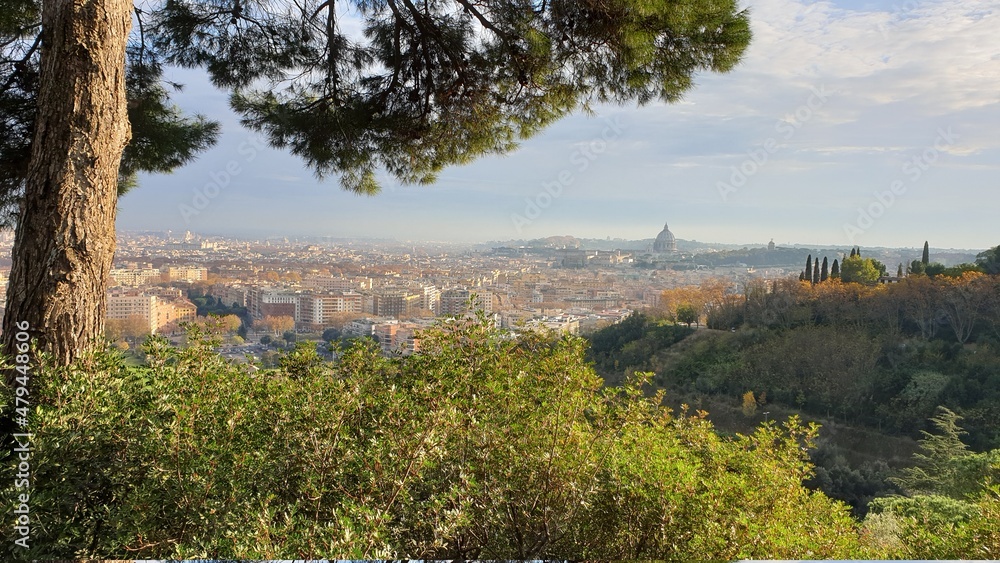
column 836, row 102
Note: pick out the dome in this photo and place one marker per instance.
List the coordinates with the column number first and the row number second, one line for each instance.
column 665, row 241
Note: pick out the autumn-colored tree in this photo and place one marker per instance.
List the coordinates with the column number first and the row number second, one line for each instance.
column 699, row 297
column 230, row 323
column 838, row 303
column 963, row 300
column 113, row 329
column 277, row 324
column 922, row 305
column 135, row 327
column 886, row 308
column 749, row 404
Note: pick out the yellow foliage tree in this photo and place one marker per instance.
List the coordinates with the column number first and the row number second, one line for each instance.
column 749, row 404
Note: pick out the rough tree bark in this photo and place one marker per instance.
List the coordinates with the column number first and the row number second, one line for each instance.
column 65, row 239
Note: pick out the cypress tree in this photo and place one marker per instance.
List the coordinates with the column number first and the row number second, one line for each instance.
column 926, row 259
column 899, row 270
column 807, row 275
column 824, row 272
column 853, row 254
column 815, row 276
column 835, row 270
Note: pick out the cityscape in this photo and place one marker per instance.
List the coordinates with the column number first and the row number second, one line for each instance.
column 391, row 290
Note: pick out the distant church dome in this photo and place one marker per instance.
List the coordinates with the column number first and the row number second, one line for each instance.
column 665, row 241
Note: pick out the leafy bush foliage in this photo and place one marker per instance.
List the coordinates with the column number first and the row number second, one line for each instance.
column 481, row 446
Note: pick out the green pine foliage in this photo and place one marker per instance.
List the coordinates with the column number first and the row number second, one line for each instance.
column 163, row 138
column 935, row 469
column 440, row 83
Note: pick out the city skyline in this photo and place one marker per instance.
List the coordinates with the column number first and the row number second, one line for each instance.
column 628, row 243
column 839, row 107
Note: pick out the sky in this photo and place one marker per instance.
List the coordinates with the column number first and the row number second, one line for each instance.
column 847, row 123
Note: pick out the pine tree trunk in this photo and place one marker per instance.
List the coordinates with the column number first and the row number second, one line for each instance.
column 65, row 240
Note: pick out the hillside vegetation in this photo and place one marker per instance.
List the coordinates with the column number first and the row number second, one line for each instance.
column 874, row 364
column 482, row 446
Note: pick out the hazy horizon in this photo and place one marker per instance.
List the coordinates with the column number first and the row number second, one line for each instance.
column 276, row 234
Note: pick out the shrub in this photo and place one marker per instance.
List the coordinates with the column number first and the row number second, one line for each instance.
column 481, row 446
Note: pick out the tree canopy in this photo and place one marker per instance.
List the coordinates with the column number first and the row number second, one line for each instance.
column 404, row 85
column 861, row 270
column 989, row 261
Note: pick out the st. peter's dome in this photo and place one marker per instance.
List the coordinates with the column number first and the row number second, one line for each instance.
column 665, row 241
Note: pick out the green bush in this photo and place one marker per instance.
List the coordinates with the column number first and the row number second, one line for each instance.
column 481, row 446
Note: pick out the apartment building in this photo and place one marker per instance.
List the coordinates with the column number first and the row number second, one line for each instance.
column 125, row 304
column 320, row 309
column 176, row 311
column 263, row 301
column 136, row 276
column 336, row 283
column 398, row 338
column 365, row 327
column 156, row 311
column 230, row 294
column 431, row 299
column 456, row 301
column 186, row 273
column 399, row 304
